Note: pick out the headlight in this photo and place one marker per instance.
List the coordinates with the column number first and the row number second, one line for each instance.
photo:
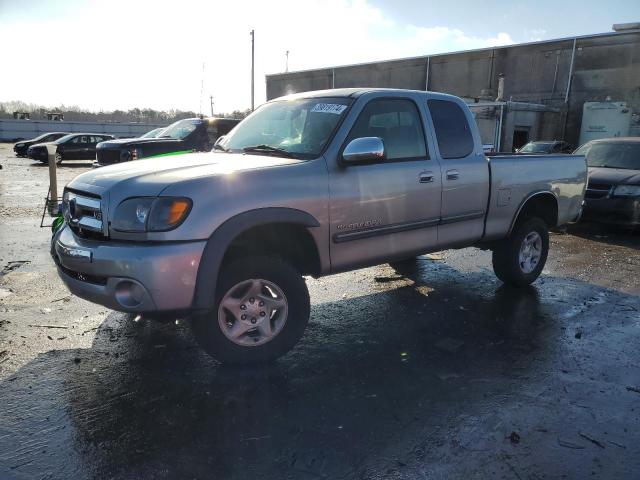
column 627, row 191
column 145, row 214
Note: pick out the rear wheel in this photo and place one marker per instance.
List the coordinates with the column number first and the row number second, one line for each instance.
column 262, row 309
column 58, row 158
column 520, row 258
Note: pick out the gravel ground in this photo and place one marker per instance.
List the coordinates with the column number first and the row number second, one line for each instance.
column 438, row 372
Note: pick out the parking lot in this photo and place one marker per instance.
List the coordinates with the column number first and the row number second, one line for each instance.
column 437, row 372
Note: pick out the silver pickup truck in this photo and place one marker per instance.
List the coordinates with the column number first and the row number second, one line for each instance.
column 309, row 184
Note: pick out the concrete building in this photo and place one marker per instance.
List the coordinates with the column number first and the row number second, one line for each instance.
column 558, row 76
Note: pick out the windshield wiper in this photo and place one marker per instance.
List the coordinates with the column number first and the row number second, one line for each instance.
column 262, row 148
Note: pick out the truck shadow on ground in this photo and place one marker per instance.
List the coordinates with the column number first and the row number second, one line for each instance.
column 373, row 369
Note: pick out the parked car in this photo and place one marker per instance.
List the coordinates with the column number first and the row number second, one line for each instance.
column 613, row 191
column 75, row 146
column 21, row 148
column 546, row 147
column 310, row 184
column 153, row 133
column 189, row 135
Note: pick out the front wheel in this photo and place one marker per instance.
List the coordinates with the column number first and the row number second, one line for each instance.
column 262, row 309
column 520, row 258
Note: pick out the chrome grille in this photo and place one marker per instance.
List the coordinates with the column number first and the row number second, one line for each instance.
column 82, row 213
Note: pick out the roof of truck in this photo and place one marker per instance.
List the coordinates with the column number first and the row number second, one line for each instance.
column 353, row 93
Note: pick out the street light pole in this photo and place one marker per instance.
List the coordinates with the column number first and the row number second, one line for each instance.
column 211, row 98
column 286, row 67
column 252, row 68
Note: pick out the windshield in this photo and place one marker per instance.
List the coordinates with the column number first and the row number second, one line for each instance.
column 180, row 129
column 612, row 155
column 298, row 128
column 536, row 148
column 42, row 137
column 153, row 133
column 64, row 139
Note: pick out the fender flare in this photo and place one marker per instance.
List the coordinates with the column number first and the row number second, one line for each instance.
column 221, row 238
column 526, row 200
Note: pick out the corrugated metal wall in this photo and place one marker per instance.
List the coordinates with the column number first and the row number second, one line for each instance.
column 605, row 65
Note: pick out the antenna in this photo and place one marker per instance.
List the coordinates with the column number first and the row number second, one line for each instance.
column 211, row 98
column 201, row 88
column 252, row 67
column 286, row 65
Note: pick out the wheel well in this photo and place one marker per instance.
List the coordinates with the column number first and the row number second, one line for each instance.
column 542, row 205
column 290, row 241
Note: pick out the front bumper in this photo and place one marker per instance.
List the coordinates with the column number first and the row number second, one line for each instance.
column 126, row 276
column 624, row 211
column 38, row 154
column 20, row 151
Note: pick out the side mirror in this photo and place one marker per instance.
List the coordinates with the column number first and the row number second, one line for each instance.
column 220, row 139
column 363, row 150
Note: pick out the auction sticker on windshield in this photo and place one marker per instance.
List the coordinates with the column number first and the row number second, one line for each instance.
column 335, row 108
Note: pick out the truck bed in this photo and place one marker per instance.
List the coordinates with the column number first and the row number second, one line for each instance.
column 515, row 178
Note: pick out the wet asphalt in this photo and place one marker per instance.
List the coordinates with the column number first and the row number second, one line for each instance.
column 434, row 372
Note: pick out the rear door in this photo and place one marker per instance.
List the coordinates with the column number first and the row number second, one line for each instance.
column 465, row 174
column 389, row 209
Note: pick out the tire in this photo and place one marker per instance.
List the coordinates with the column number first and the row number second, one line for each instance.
column 283, row 312
column 59, row 159
column 508, row 264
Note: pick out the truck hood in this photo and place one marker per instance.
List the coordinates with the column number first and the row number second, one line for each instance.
column 151, row 176
column 614, row 176
column 125, row 142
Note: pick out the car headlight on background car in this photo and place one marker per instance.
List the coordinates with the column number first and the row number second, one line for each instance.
column 144, row 214
column 627, row 191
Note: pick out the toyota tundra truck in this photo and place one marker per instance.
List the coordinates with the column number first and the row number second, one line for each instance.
column 310, row 184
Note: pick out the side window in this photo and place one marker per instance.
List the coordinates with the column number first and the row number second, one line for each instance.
column 397, row 122
column 84, row 139
column 75, row 140
column 452, row 129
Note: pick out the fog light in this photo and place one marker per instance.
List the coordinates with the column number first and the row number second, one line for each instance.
column 129, row 294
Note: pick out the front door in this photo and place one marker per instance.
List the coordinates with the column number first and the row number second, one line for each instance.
column 73, row 148
column 390, row 209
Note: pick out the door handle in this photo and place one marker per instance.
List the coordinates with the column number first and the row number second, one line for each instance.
column 426, row 177
column 453, row 174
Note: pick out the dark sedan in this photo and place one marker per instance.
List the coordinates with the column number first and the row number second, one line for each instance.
column 21, row 148
column 76, row 146
column 613, row 191
column 189, row 135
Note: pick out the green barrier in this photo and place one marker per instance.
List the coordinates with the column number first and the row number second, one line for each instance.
column 57, row 224
column 170, row 154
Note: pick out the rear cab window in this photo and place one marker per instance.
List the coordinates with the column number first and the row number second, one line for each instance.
column 452, row 129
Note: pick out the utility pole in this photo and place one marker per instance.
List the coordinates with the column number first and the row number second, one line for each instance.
column 252, row 67
column 211, row 98
column 286, row 66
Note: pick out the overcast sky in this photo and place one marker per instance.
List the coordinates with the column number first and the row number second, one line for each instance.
column 119, row 54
